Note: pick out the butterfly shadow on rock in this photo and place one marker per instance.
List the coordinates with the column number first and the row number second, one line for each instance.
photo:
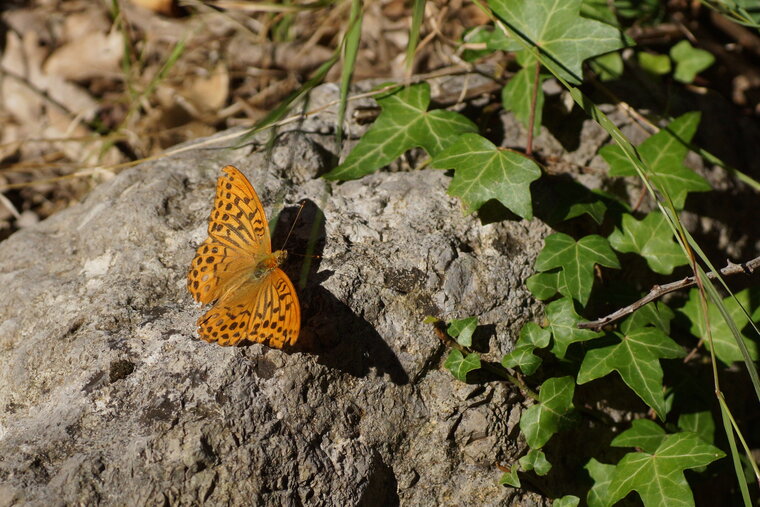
column 329, row 328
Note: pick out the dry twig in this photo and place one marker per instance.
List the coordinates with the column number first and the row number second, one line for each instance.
column 660, row 290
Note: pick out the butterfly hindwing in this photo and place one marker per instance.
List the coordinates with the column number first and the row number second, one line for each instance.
column 264, row 312
column 280, row 303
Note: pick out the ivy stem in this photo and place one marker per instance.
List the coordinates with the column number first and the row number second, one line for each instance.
column 500, row 371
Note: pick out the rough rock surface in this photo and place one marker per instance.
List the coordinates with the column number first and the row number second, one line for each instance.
column 107, row 395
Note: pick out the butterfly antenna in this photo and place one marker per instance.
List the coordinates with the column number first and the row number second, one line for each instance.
column 293, row 225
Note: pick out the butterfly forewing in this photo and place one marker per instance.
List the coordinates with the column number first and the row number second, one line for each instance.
column 216, row 268
column 238, row 219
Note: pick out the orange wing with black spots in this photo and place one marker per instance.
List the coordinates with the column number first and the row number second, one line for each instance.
column 238, row 218
column 267, row 312
column 236, row 268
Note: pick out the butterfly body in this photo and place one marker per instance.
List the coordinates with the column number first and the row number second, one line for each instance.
column 236, row 268
column 266, row 263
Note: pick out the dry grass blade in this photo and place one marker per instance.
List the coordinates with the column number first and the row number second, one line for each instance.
column 418, row 12
column 351, row 45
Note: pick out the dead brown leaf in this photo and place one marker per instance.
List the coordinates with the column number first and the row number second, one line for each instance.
column 94, row 54
column 209, row 93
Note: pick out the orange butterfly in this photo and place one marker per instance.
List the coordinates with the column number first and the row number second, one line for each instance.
column 236, row 268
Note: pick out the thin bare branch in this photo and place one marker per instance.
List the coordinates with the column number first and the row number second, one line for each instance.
column 660, row 290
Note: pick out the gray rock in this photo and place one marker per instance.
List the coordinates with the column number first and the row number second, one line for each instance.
column 108, row 397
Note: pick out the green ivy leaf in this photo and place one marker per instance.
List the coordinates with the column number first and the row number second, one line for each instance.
column 462, row 330
column 552, row 413
column 663, row 153
column 658, row 476
column 602, row 474
column 484, row 171
column 517, row 96
column 701, row 423
column 460, row 365
column 726, row 348
column 532, row 336
column 636, row 358
column 511, row 478
column 482, row 35
column 576, row 261
column 587, row 202
column 545, row 285
column 524, row 358
column 655, row 314
column 565, row 199
column 494, row 38
column 556, row 27
column 654, row 63
column 566, row 501
column 404, row 123
column 608, row 67
column 643, row 433
column 600, row 10
column 563, row 322
column 651, row 238
column 535, row 460
column 690, row 61
column 650, row 10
